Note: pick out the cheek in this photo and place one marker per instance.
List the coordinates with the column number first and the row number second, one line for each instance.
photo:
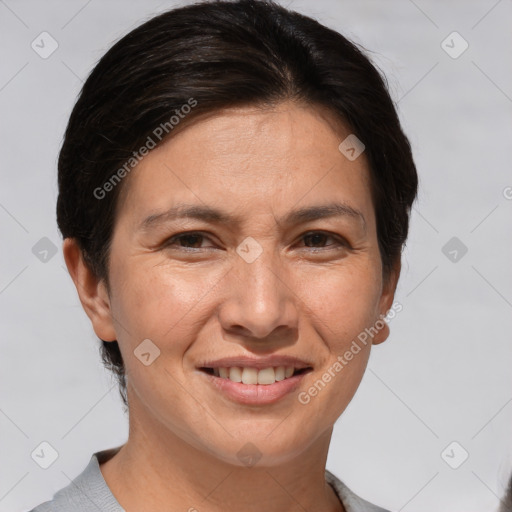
column 345, row 302
column 156, row 302
column 344, row 305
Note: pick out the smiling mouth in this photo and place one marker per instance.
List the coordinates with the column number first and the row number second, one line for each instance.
column 252, row 376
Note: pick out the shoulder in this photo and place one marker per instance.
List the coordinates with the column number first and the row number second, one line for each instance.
column 47, row 506
column 351, row 501
column 87, row 492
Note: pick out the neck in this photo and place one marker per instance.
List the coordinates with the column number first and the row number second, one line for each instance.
column 157, row 470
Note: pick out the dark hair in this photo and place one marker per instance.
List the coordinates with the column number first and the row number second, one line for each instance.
column 214, row 55
column 506, row 501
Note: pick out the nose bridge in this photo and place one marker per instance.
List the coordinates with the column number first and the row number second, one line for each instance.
column 258, row 298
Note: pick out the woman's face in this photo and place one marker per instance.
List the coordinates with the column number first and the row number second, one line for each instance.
column 251, row 283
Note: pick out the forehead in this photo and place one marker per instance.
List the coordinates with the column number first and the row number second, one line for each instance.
column 250, row 156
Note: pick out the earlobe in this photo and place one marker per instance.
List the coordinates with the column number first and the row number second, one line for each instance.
column 91, row 291
column 382, row 332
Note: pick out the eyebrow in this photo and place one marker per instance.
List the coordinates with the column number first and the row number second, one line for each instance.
column 215, row 216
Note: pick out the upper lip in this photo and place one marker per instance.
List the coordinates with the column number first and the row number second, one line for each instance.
column 257, row 362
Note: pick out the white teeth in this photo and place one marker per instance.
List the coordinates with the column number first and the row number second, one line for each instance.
column 268, row 375
column 250, row 376
column 280, row 373
column 235, row 374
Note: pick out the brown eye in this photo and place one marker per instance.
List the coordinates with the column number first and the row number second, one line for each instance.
column 190, row 240
column 317, row 239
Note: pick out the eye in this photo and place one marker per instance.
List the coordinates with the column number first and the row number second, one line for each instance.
column 186, row 240
column 316, row 238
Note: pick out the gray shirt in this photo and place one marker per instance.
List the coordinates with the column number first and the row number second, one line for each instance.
column 89, row 492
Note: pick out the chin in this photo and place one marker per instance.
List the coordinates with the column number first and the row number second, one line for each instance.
column 263, row 447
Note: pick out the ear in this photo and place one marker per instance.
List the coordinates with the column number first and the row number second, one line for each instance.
column 91, row 290
column 385, row 303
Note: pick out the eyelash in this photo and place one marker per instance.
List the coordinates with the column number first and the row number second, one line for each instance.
column 171, row 241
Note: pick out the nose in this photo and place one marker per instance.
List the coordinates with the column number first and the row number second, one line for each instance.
column 260, row 302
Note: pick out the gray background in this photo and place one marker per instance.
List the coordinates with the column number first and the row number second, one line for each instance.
column 444, row 374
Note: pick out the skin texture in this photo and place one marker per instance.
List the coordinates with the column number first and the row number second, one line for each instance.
column 197, row 299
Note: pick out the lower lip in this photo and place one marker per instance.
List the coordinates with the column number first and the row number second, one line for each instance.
column 255, row 394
